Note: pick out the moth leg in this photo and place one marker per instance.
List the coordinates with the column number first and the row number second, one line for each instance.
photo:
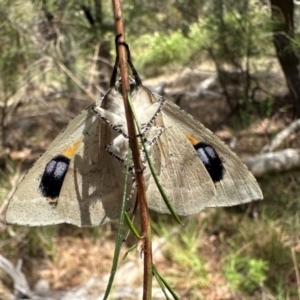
column 149, row 142
column 148, row 125
column 152, row 140
column 114, row 155
column 106, row 116
column 118, row 148
column 118, row 124
column 122, row 161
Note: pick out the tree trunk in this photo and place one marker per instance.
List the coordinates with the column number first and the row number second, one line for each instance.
column 283, row 31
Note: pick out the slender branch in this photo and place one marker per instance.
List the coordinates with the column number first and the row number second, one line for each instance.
column 134, row 145
column 21, row 286
column 282, row 136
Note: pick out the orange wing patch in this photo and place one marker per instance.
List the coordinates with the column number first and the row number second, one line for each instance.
column 192, row 139
column 69, row 152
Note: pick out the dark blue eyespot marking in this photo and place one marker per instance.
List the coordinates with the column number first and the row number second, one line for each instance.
column 53, row 176
column 211, row 160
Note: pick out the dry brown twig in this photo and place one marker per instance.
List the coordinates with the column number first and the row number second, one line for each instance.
column 282, row 136
column 135, row 148
column 21, row 285
column 270, row 161
column 279, row 161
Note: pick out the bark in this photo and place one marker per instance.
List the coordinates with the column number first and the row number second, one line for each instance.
column 283, row 32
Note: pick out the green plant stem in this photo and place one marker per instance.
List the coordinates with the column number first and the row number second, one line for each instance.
column 162, row 281
column 131, row 226
column 119, row 239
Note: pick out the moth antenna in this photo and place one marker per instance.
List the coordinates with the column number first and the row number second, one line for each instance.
column 136, row 76
column 113, row 77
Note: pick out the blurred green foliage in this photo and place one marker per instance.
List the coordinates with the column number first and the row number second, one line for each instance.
column 160, row 34
column 245, row 273
column 52, row 46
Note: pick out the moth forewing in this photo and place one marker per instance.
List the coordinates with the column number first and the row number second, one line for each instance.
column 92, row 187
column 238, row 185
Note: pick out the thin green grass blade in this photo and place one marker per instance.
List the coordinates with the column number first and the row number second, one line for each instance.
column 129, row 250
column 131, row 226
column 160, row 188
column 161, row 284
column 157, row 275
column 119, row 239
